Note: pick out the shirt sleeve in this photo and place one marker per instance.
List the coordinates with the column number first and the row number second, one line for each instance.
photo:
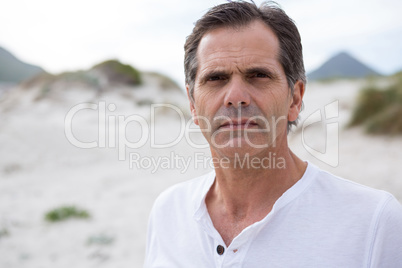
column 387, row 239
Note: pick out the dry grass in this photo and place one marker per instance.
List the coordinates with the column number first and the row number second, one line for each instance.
column 379, row 110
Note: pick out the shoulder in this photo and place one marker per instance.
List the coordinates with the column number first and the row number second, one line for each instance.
column 347, row 190
column 338, row 198
column 375, row 212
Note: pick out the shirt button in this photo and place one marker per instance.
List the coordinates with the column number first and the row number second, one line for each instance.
column 220, row 249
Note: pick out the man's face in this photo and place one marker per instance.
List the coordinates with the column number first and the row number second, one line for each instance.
column 242, row 101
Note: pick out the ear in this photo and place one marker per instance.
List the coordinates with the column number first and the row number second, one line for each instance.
column 192, row 107
column 296, row 101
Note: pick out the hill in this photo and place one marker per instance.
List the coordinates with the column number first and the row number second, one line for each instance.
column 342, row 65
column 110, row 81
column 13, row 70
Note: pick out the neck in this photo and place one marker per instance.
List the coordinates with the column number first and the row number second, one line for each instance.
column 250, row 185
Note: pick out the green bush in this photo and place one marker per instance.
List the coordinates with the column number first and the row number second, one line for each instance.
column 66, row 212
column 4, row 232
column 370, row 102
column 118, row 72
column 379, row 110
column 100, row 239
column 387, row 122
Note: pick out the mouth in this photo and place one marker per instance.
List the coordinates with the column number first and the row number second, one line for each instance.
column 243, row 123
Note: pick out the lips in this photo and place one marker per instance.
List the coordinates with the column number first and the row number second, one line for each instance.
column 242, row 123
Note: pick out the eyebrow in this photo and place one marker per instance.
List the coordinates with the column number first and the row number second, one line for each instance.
column 204, row 77
column 263, row 70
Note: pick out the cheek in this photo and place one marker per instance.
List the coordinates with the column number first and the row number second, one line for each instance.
column 206, row 103
column 275, row 108
column 273, row 103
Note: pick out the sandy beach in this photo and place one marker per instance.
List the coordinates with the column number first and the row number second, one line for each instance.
column 40, row 169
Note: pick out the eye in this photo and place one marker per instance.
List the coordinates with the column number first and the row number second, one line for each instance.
column 261, row 75
column 214, row 78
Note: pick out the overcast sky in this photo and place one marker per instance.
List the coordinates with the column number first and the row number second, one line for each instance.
column 149, row 34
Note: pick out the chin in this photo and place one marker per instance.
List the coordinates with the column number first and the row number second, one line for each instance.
column 240, row 147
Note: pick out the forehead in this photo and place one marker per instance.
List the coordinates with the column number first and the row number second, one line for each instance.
column 254, row 43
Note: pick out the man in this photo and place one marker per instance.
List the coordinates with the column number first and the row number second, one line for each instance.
column 245, row 80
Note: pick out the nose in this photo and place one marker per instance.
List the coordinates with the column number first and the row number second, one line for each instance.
column 237, row 94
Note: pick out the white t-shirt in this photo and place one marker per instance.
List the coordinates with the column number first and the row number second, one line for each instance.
column 321, row 221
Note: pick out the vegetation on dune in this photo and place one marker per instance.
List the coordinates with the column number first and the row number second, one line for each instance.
column 79, row 76
column 4, row 232
column 119, row 72
column 164, row 81
column 387, row 122
column 112, row 70
column 379, row 110
column 65, row 213
column 102, row 77
column 100, row 239
column 38, row 79
column 370, row 103
column 48, row 81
